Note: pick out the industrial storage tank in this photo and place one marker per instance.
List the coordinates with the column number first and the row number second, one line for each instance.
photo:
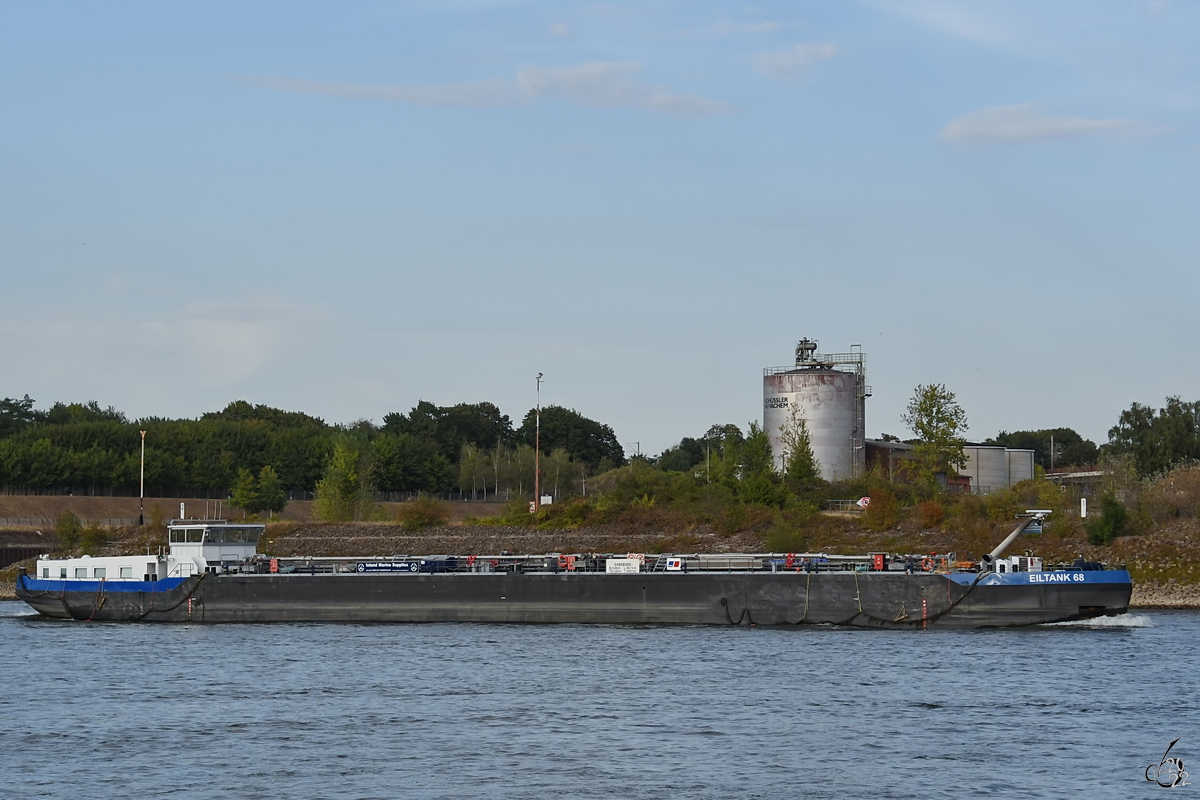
column 993, row 467
column 1020, row 466
column 988, row 467
column 831, row 401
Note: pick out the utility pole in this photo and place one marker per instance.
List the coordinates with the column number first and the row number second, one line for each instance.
column 142, row 483
column 537, row 449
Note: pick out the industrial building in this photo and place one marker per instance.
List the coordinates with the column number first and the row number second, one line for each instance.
column 989, row 468
column 829, row 392
column 992, row 467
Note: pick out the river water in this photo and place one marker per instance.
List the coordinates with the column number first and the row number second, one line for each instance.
column 505, row 711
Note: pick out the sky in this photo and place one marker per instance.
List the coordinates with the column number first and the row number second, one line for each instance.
column 344, row 208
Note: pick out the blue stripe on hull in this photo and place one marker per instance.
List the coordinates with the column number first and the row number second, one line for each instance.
column 108, row 587
column 1068, row 577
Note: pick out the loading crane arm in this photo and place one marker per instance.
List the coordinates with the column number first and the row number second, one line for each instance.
column 1030, row 516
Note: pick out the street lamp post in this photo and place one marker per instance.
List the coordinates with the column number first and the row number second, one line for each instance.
column 537, row 449
column 142, row 483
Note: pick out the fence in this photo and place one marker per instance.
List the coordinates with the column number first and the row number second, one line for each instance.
column 478, row 496
column 118, row 491
column 14, row 553
column 48, row 522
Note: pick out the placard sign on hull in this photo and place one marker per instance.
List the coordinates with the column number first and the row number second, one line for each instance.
column 622, row 565
column 388, row 566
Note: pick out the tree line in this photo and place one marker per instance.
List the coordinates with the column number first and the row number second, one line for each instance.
column 470, row 447
column 84, row 448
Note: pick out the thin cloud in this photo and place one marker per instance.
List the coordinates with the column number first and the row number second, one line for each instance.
column 722, row 28
column 1026, row 123
column 598, row 84
column 560, row 29
column 244, row 338
column 793, row 63
column 951, row 18
column 610, row 85
column 477, row 94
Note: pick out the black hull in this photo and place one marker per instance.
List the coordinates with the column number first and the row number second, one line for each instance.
column 871, row 599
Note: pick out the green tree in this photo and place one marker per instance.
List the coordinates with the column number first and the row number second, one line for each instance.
column 271, row 495
column 344, row 493
column 939, row 423
column 245, row 492
column 480, row 425
column 1157, row 440
column 683, row 456
column 15, row 415
column 405, row 463
column 757, row 456
column 799, row 461
column 584, row 439
column 94, row 538
column 558, row 474
column 473, row 467
column 68, row 529
column 62, row 413
column 1112, row 522
column 1070, row 449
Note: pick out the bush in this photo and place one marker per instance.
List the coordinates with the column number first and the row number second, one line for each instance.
column 424, row 512
column 761, row 490
column 1111, row 523
column 68, row 529
column 785, row 539
column 1175, row 494
column 93, row 538
column 964, row 508
column 932, row 513
column 576, row 512
column 1003, row 505
column 787, row 533
column 883, row 512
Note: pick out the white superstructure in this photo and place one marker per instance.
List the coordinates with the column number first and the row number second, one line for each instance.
column 195, row 546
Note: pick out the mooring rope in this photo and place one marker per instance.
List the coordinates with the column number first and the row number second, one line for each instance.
column 931, row 617
column 98, row 603
column 744, row 615
column 807, row 592
column 180, row 602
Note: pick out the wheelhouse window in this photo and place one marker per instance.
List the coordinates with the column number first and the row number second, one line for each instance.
column 126, row 572
column 233, row 534
column 45, row 572
column 99, row 572
column 81, row 572
column 190, row 536
column 62, row 572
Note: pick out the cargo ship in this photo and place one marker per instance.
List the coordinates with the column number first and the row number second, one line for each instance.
column 211, row 572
